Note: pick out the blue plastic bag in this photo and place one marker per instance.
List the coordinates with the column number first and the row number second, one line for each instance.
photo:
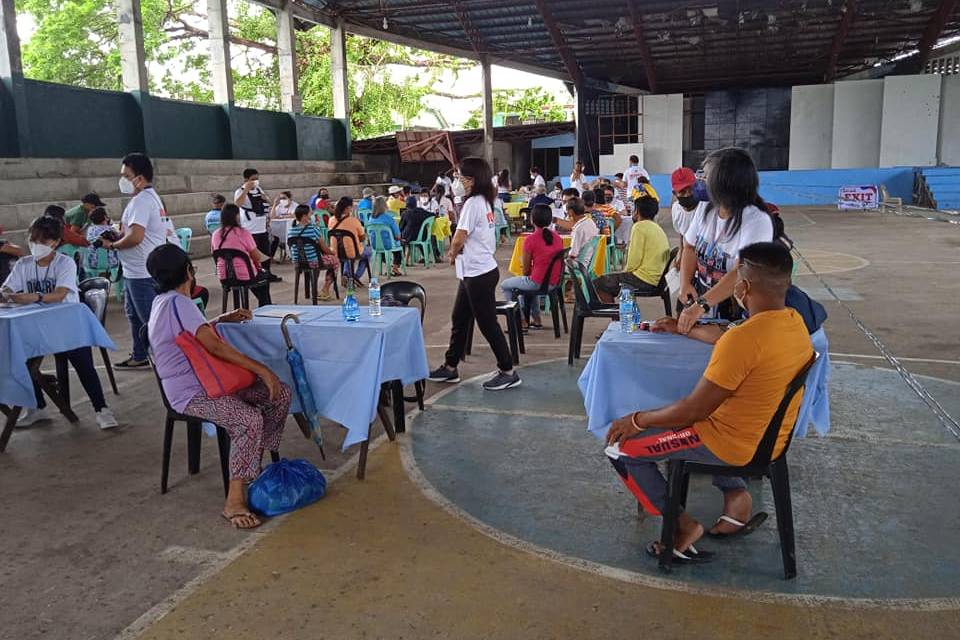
column 286, row 486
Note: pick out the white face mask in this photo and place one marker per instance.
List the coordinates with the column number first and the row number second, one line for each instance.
column 533, row 176
column 740, row 300
column 256, row 183
column 40, row 251
column 424, row 198
column 126, row 187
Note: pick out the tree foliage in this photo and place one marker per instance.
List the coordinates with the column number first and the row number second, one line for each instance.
column 76, row 43
column 532, row 103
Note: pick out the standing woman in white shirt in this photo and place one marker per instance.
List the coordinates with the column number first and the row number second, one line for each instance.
column 472, row 252
column 538, row 181
column 576, row 178
column 735, row 218
column 502, row 181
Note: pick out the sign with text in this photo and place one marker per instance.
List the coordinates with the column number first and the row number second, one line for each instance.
column 859, row 197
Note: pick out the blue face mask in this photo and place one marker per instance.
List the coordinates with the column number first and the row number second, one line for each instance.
column 700, row 191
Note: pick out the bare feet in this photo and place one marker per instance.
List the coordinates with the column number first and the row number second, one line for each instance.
column 737, row 504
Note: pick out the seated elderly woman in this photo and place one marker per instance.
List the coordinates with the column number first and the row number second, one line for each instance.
column 254, row 417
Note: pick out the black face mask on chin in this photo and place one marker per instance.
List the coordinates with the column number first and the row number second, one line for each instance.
column 688, row 202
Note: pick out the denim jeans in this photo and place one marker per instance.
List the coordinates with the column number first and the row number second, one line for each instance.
column 138, row 296
column 515, row 287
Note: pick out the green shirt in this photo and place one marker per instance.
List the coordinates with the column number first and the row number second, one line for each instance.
column 77, row 216
column 648, row 252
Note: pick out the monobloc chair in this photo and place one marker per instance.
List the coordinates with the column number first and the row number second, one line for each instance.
column 311, row 275
column 95, row 293
column 511, row 311
column 662, row 291
column 423, row 244
column 405, row 292
column 231, row 284
column 383, row 256
column 587, row 305
column 762, row 464
column 343, row 236
column 554, row 294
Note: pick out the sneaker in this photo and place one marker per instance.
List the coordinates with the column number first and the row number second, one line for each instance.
column 502, row 381
column 105, row 419
column 444, row 374
column 272, row 277
column 131, row 363
column 31, row 416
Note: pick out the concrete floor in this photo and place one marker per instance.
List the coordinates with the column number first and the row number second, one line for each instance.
column 92, row 547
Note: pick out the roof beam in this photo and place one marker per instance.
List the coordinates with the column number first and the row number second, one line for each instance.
column 473, row 35
column 636, row 21
column 849, row 9
column 569, row 60
column 932, row 33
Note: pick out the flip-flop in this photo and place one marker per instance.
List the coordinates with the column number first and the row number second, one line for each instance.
column 746, row 528
column 243, row 514
column 690, row 556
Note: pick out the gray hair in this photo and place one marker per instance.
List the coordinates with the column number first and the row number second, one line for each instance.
column 379, row 205
column 367, row 192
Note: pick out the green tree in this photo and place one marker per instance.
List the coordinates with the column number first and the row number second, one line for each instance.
column 532, row 103
column 75, row 43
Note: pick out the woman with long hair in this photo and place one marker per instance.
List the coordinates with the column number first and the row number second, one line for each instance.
column 232, row 235
column 502, row 181
column 472, row 253
column 735, row 218
column 343, row 221
column 539, row 248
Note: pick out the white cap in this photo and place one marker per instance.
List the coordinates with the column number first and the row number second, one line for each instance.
column 394, row 189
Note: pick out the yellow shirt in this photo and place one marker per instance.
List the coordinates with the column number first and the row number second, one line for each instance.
column 757, row 361
column 395, row 204
column 648, row 251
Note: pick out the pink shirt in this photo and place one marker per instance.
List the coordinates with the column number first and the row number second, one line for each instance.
column 541, row 254
column 239, row 239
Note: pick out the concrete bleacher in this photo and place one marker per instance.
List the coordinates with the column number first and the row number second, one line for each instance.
column 944, row 183
column 28, row 185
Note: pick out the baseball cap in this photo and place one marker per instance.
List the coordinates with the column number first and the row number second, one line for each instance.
column 682, row 178
column 92, row 198
column 394, row 189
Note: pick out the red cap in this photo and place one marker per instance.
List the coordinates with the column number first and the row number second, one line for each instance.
column 682, row 178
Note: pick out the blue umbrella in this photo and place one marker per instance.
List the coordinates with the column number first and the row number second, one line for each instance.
column 308, row 405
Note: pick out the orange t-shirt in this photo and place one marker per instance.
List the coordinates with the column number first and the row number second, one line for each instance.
column 757, row 361
column 354, row 226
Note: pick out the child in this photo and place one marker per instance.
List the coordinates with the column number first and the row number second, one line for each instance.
column 304, row 228
column 49, row 277
column 100, row 260
column 212, row 220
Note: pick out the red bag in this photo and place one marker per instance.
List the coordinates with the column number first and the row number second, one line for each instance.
column 217, row 377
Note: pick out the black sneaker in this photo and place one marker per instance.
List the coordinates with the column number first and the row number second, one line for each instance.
column 444, row 374
column 502, row 381
column 130, row 363
column 274, row 278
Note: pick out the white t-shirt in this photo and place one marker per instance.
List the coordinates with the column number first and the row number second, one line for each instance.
column 27, row 276
column 682, row 218
column 477, row 220
column 286, row 210
column 717, row 254
column 576, row 183
column 539, row 182
column 583, row 232
column 248, row 219
column 458, row 189
column 633, row 173
column 145, row 210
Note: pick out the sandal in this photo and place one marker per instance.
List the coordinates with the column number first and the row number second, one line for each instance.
column 690, row 556
column 323, row 297
column 746, row 528
column 236, row 519
column 131, row 363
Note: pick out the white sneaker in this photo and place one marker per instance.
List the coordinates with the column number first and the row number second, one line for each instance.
column 105, row 419
column 30, row 416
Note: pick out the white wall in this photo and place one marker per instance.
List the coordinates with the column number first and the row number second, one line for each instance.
column 811, row 127
column 949, row 144
column 857, row 116
column 911, row 117
column 662, row 132
column 620, row 158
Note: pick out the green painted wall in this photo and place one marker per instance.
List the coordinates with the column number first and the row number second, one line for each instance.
column 70, row 122
column 8, row 123
column 267, row 135
column 321, row 138
column 175, row 129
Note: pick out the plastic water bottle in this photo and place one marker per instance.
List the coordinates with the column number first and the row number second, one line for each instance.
column 626, row 310
column 351, row 308
column 374, row 290
column 636, row 315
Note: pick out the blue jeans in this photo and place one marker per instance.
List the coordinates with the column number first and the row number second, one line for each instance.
column 138, row 295
column 515, row 287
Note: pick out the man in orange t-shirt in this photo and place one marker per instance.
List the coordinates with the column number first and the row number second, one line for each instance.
column 722, row 421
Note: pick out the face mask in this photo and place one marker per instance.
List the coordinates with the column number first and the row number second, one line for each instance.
column 700, row 191
column 424, row 199
column 40, row 251
column 688, row 202
column 739, row 299
column 126, row 187
column 533, row 177
column 256, row 183
column 608, row 199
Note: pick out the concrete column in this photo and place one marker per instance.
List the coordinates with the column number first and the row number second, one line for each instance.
column 487, row 111
column 220, row 72
column 287, row 54
column 11, row 75
column 338, row 67
column 133, row 60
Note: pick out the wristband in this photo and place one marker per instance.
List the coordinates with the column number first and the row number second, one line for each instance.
column 703, row 304
column 633, row 421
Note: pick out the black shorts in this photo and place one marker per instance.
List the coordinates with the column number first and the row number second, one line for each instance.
column 611, row 283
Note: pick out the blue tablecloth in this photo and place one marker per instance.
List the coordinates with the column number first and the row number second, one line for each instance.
column 640, row 371
column 39, row 330
column 346, row 362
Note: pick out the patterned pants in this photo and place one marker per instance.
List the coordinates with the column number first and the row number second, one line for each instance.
column 253, row 421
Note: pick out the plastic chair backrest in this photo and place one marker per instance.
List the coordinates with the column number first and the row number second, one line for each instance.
column 591, row 246
column 591, row 300
column 228, row 256
column 95, row 293
column 342, row 235
column 301, row 244
column 662, row 282
column 403, row 291
column 426, row 230
column 377, row 233
column 764, row 453
column 556, row 259
column 185, row 234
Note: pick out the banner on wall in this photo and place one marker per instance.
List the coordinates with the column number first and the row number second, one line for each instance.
column 858, row 197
